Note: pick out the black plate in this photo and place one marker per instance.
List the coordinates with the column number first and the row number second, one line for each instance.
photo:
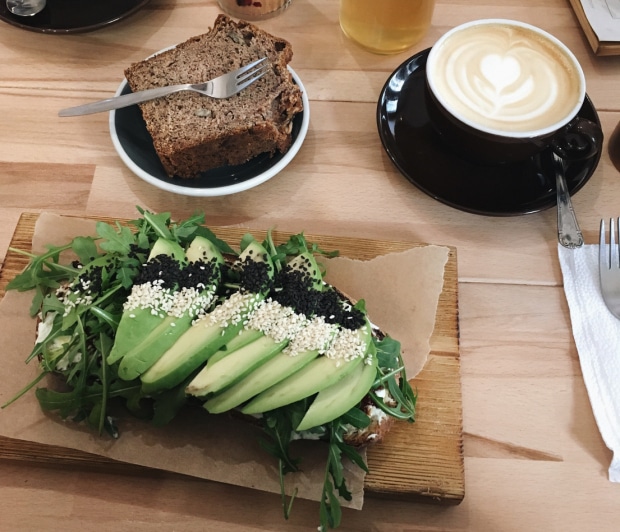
column 134, row 145
column 419, row 153
column 73, row 16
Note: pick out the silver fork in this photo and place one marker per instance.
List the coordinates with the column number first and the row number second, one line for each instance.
column 609, row 267
column 223, row 86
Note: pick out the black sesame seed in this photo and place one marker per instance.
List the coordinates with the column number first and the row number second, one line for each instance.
column 160, row 268
column 255, row 276
column 92, row 278
column 293, row 288
column 198, row 273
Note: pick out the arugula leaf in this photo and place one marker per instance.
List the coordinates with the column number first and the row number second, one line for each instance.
column 295, row 245
column 334, row 485
column 220, row 244
column 159, row 223
column 394, row 377
column 246, row 240
column 356, row 418
column 85, row 248
column 279, row 429
column 43, row 272
column 114, row 241
column 167, row 404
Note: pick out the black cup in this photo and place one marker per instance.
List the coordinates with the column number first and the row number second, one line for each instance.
column 574, row 138
column 580, row 139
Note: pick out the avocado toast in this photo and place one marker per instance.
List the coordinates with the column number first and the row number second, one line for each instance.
column 271, row 310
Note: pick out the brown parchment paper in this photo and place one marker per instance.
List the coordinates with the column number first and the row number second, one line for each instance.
column 401, row 291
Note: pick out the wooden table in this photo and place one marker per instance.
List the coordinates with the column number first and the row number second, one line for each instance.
column 534, row 459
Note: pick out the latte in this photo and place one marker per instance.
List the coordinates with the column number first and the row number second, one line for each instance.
column 505, row 77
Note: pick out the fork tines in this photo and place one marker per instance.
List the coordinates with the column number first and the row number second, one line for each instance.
column 251, row 72
column 608, row 255
column 609, row 267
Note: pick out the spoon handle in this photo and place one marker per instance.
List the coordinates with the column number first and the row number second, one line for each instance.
column 569, row 233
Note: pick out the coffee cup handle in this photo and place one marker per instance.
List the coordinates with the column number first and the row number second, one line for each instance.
column 579, row 140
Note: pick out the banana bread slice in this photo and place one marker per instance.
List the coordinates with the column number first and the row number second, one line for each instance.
column 193, row 133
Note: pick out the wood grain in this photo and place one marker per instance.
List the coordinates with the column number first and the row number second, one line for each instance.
column 420, row 461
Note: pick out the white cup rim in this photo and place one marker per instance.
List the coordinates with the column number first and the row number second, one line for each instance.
column 541, row 132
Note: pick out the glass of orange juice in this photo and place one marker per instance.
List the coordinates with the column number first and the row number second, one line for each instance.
column 386, row 26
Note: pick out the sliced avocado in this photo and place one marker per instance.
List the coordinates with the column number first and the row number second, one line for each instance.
column 306, row 262
column 316, row 376
column 244, row 337
column 255, row 251
column 203, row 250
column 163, row 246
column 189, row 352
column 202, row 340
column 263, row 377
column 235, row 366
column 137, row 360
column 136, row 324
column 312, row 378
column 140, row 358
column 337, row 399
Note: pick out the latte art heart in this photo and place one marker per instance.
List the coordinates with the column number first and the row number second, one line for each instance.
column 500, row 71
column 505, row 78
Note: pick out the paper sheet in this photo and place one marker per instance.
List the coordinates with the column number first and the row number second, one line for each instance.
column 219, row 448
column 604, row 17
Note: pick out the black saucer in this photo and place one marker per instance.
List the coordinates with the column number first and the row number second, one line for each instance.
column 419, row 153
column 73, row 16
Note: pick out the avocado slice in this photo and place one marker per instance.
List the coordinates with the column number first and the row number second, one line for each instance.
column 204, row 338
column 306, row 262
column 312, row 378
column 190, row 302
column 137, row 322
column 163, row 246
column 188, row 353
column 244, row 337
column 337, row 399
column 263, row 377
column 235, row 366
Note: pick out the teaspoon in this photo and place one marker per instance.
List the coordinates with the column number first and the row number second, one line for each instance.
column 25, row 8
column 569, row 233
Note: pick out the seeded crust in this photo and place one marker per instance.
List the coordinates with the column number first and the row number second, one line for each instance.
column 193, row 133
column 373, row 433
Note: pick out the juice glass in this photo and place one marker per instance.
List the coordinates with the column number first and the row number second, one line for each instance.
column 386, row 26
column 253, row 10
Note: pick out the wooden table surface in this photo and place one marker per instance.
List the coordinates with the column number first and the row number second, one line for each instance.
column 534, row 459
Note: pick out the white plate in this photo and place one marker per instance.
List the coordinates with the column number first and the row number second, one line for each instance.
column 134, row 145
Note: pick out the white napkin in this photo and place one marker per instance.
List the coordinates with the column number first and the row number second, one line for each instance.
column 597, row 337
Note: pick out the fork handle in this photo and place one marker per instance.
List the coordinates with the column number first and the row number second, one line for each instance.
column 569, row 233
column 124, row 100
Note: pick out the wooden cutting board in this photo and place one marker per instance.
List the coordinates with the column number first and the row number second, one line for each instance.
column 420, row 461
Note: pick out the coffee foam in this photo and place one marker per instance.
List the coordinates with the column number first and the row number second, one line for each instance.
column 505, row 77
